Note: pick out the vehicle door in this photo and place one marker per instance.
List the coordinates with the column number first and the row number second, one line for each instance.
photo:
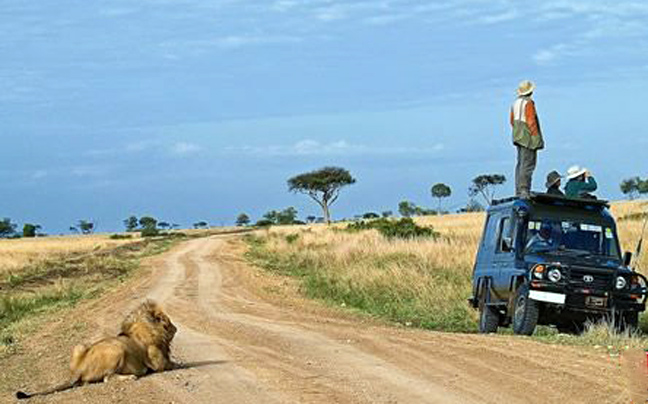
column 483, row 264
column 504, row 256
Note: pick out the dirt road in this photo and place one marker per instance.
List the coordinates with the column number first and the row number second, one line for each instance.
column 244, row 337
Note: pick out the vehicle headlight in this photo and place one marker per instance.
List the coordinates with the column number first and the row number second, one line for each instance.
column 621, row 282
column 538, row 271
column 554, row 275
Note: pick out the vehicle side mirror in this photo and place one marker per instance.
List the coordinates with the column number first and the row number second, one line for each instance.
column 507, row 244
column 627, row 258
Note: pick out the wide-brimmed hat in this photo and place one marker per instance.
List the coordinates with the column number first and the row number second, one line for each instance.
column 575, row 171
column 552, row 178
column 526, row 87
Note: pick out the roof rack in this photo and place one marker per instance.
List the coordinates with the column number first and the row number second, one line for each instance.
column 550, row 198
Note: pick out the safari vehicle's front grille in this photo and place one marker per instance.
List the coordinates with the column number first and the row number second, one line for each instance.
column 589, row 278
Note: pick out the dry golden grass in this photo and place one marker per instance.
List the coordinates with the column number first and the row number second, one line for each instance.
column 20, row 253
column 630, row 230
column 421, row 281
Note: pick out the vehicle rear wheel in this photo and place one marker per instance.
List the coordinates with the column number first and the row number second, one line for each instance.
column 525, row 312
column 488, row 316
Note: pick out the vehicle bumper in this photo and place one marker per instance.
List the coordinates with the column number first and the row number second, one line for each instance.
column 547, row 297
column 593, row 301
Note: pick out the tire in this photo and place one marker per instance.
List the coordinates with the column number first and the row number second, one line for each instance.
column 525, row 312
column 488, row 316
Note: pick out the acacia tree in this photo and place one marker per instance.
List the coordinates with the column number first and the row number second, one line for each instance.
column 406, row 208
column 148, row 222
column 31, row 230
column 323, row 186
column 242, row 220
column 484, row 185
column 131, row 223
column 630, row 187
column 7, row 228
column 287, row 216
column 440, row 191
column 201, row 225
column 85, row 227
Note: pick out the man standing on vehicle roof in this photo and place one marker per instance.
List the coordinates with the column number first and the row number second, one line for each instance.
column 527, row 137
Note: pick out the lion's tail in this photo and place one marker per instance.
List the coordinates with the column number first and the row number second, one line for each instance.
column 78, row 353
column 61, row 387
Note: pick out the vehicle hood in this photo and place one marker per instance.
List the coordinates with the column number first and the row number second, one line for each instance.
column 571, row 260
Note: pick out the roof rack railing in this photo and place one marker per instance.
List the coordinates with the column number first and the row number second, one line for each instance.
column 549, row 198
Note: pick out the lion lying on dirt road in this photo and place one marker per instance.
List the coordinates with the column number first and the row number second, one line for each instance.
column 142, row 346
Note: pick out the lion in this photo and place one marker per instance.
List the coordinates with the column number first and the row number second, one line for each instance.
column 142, row 346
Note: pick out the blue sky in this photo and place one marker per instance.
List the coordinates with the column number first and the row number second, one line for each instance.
column 197, row 110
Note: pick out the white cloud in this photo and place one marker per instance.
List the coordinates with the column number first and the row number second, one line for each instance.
column 500, row 17
column 184, row 148
column 544, row 56
column 386, row 19
column 284, row 5
column 147, row 146
column 238, row 41
column 309, row 147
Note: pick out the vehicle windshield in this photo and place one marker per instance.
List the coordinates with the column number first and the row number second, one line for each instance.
column 574, row 237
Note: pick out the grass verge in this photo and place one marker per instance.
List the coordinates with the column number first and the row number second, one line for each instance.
column 393, row 285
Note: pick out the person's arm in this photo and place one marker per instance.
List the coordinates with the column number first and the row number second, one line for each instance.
column 512, row 117
column 531, row 117
column 589, row 185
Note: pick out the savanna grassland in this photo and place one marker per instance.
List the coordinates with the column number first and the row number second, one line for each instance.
column 18, row 254
column 423, row 282
column 41, row 275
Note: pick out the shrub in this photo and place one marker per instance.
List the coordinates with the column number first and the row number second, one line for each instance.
column 404, row 228
column 150, row 232
column 120, row 236
column 291, row 238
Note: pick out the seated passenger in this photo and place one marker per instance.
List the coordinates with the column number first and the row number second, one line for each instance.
column 553, row 183
column 580, row 184
column 542, row 240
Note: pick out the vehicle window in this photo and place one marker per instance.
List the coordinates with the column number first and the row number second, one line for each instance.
column 504, row 233
column 489, row 230
column 580, row 238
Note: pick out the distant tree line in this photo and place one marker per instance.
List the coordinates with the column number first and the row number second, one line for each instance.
column 9, row 229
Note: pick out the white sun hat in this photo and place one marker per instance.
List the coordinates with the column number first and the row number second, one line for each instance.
column 526, row 87
column 575, row 171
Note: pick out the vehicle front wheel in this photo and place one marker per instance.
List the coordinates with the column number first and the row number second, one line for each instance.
column 488, row 316
column 525, row 312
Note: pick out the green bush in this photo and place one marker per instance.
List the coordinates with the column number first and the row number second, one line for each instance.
column 120, row 236
column 404, row 228
column 264, row 223
column 291, row 238
column 150, row 232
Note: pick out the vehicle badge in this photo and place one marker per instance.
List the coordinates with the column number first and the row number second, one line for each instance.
column 588, row 278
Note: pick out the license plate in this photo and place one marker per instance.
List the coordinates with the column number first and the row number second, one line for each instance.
column 595, row 301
